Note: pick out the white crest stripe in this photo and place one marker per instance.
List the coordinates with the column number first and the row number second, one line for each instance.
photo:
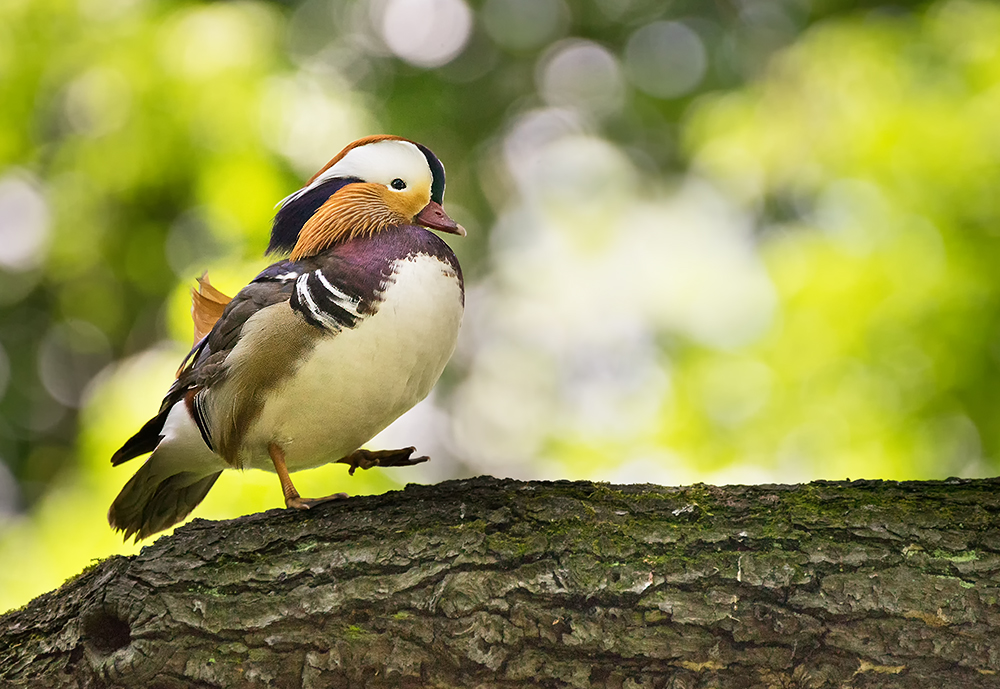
column 291, row 197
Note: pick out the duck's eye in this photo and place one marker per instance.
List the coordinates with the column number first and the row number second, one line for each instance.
column 398, row 184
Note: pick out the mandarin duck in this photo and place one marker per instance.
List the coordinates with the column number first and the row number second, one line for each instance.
column 321, row 351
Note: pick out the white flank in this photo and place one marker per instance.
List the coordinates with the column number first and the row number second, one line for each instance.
column 182, row 448
column 358, row 381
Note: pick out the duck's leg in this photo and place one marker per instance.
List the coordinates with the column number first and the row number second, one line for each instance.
column 366, row 459
column 292, row 498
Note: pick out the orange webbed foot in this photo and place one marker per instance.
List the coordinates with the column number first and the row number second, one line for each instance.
column 299, row 503
column 366, row 459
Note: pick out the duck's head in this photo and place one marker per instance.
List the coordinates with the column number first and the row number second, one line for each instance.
column 374, row 184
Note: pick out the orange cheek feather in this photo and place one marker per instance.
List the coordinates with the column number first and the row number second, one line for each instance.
column 354, row 211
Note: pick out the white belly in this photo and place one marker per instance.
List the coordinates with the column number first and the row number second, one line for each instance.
column 355, row 383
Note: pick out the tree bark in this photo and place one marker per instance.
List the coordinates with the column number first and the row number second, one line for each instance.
column 489, row 583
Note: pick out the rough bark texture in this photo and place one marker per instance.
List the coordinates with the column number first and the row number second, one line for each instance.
column 488, row 583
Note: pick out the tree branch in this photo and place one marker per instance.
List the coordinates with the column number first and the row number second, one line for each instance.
column 502, row 583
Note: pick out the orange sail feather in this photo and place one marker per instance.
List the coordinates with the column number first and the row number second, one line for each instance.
column 207, row 305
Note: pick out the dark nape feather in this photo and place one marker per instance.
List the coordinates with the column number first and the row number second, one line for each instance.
column 147, row 505
column 290, row 218
column 437, row 170
column 143, row 442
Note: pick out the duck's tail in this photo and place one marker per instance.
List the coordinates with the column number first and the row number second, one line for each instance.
column 158, row 496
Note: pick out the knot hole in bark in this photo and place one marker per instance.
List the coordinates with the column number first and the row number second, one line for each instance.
column 104, row 632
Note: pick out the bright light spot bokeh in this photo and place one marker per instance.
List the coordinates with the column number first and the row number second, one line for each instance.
column 665, row 59
column 524, row 24
column 594, row 264
column 98, row 102
column 208, row 40
column 24, row 223
column 581, row 74
column 426, row 33
column 308, row 122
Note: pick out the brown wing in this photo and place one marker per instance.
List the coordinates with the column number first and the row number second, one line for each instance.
column 204, row 365
column 272, row 286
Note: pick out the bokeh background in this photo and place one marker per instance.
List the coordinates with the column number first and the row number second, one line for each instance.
column 738, row 241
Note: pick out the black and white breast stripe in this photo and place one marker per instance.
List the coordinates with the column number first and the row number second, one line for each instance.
column 323, row 304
